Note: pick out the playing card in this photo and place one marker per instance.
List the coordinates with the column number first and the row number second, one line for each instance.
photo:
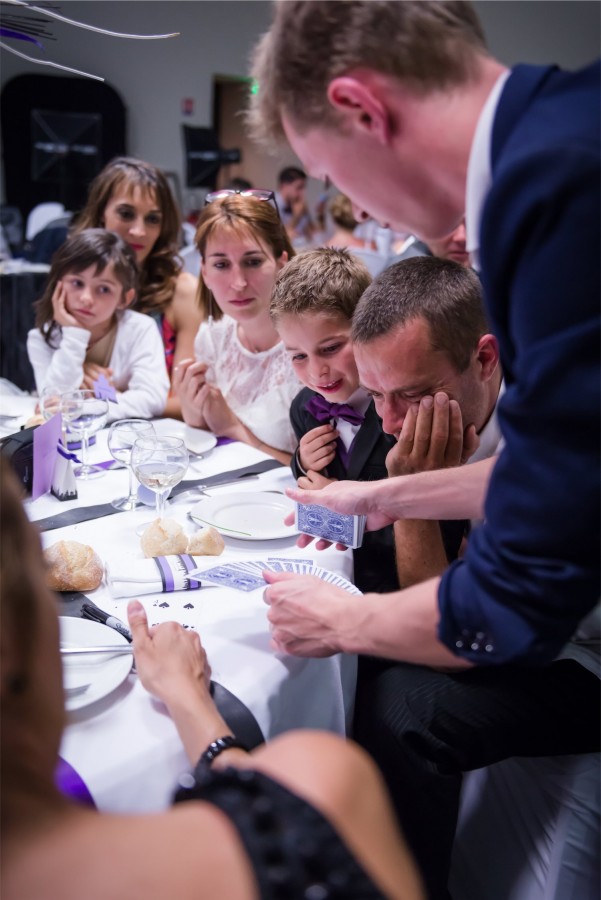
column 232, row 576
column 287, row 564
column 321, row 522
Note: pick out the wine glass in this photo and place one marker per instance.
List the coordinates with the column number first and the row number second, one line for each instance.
column 86, row 413
column 50, row 405
column 159, row 463
column 122, row 436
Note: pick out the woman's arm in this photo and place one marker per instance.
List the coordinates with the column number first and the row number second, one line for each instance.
column 184, row 316
column 139, row 372
column 172, row 665
column 221, row 419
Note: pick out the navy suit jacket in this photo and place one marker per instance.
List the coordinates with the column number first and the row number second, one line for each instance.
column 531, row 572
column 375, row 567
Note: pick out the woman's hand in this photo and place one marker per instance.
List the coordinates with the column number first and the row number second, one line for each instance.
column 169, row 660
column 92, row 372
column 60, row 313
column 317, row 447
column 187, row 382
column 217, row 414
column 173, row 666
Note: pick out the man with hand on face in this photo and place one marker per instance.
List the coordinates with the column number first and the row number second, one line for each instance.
column 404, row 109
column 420, row 339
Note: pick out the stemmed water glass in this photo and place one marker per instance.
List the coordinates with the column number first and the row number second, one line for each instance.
column 50, row 405
column 159, row 463
column 86, row 413
column 121, row 439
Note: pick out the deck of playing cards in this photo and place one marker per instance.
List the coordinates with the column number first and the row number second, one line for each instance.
column 321, row 522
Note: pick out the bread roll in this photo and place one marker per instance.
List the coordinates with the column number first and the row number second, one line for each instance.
column 207, row 542
column 164, row 537
column 73, row 567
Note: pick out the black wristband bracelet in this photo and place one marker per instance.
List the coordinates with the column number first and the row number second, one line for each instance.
column 218, row 746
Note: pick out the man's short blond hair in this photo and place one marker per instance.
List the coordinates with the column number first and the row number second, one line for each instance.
column 427, row 44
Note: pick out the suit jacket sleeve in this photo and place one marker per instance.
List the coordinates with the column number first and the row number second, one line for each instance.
column 531, row 572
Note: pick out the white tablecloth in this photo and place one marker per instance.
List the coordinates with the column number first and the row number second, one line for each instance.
column 125, row 746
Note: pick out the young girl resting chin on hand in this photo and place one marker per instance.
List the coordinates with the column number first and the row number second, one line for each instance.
column 84, row 329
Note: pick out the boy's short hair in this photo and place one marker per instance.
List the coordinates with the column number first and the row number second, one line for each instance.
column 443, row 292
column 326, row 280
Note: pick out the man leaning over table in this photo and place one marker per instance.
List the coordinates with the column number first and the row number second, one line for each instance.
column 518, row 151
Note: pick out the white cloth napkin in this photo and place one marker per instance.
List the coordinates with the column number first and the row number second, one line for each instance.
column 129, row 577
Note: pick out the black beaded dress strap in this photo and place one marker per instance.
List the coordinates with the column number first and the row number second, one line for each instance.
column 294, row 851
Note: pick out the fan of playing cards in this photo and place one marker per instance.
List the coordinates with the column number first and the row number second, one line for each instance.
column 247, row 575
column 321, row 522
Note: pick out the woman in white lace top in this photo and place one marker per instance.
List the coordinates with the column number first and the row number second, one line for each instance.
column 241, row 384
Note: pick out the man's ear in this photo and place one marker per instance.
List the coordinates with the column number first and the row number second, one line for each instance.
column 487, row 355
column 360, row 106
column 127, row 298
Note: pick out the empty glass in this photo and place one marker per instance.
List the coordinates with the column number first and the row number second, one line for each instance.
column 86, row 413
column 50, row 405
column 121, row 438
column 159, row 463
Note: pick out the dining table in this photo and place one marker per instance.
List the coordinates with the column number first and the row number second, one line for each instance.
column 120, row 741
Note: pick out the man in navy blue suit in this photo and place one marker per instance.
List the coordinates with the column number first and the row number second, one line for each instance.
column 402, row 107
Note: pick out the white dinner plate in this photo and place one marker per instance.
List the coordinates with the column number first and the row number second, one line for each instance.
column 199, row 441
column 102, row 673
column 251, row 516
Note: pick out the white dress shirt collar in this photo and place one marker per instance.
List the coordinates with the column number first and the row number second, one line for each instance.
column 479, row 171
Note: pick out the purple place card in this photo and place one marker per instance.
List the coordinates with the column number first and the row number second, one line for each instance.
column 103, row 390
column 45, row 442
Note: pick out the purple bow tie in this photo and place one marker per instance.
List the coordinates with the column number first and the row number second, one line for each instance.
column 322, row 410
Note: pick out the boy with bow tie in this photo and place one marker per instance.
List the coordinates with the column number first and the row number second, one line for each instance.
column 340, row 434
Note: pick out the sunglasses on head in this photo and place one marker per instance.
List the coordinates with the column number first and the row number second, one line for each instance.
column 255, row 193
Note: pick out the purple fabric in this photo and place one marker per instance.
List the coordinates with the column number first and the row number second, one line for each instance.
column 225, row 440
column 190, row 565
column 103, row 390
column 322, row 410
column 71, row 784
column 166, row 574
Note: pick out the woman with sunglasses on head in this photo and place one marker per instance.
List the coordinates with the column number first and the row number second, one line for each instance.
column 133, row 198
column 242, row 383
column 305, row 815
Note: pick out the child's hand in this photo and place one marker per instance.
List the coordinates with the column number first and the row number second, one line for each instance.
column 317, row 447
column 92, row 372
column 60, row 313
column 313, row 481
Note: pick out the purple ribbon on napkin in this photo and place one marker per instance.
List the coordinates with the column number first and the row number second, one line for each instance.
column 71, row 784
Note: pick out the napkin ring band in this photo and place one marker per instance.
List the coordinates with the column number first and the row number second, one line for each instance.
column 218, row 746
